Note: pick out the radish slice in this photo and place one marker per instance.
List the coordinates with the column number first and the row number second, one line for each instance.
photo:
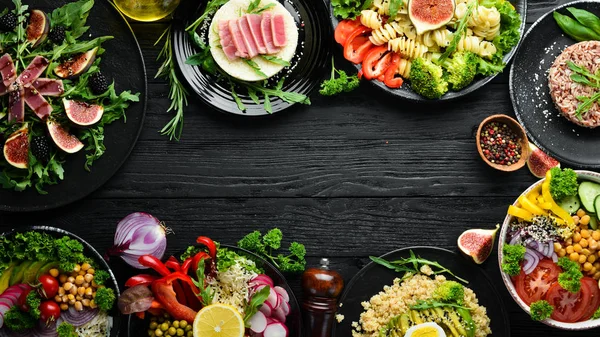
column 262, row 279
column 6, row 301
column 276, row 330
column 258, row 322
column 1, row 320
column 282, row 292
column 279, row 315
column 272, row 299
column 286, row 308
column 266, row 309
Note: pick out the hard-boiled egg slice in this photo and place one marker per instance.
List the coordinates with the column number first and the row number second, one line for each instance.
column 430, row 329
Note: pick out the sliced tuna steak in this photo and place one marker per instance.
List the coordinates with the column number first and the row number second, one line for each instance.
column 247, row 37
column 7, row 70
column 254, row 21
column 236, row 37
column 278, row 29
column 267, row 33
column 226, row 40
column 37, row 103
column 49, row 87
column 33, row 71
column 16, row 105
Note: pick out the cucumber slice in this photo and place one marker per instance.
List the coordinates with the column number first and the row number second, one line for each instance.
column 587, row 194
column 570, row 204
column 593, row 222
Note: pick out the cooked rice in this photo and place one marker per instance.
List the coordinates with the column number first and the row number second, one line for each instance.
column 396, row 299
column 565, row 91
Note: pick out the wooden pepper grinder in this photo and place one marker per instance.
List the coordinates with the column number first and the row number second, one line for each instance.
column 322, row 287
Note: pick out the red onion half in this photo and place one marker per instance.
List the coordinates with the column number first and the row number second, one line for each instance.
column 139, row 234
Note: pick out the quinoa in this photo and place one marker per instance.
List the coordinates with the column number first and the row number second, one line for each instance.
column 397, row 298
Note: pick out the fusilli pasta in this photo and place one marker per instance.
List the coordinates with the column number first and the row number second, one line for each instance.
column 392, row 30
column 476, row 45
column 404, row 68
column 440, row 37
column 370, row 19
column 407, row 48
column 383, row 7
column 485, row 22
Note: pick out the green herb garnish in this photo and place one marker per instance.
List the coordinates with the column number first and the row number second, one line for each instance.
column 267, row 245
column 255, row 67
column 276, row 60
column 257, row 300
column 428, row 304
column 206, row 294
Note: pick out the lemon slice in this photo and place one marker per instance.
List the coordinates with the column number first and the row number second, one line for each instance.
column 219, row 320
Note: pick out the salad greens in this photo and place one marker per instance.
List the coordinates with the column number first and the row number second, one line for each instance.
column 513, row 255
column 570, row 278
column 563, row 183
column 540, row 310
column 105, row 298
column 350, row 9
column 267, row 245
column 66, row 330
column 72, row 17
column 19, row 321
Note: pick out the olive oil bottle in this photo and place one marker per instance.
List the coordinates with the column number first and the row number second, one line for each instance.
column 146, row 10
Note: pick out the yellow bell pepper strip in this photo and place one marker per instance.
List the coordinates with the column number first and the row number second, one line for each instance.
column 530, row 206
column 520, row 213
column 543, row 203
column 533, row 195
column 561, row 213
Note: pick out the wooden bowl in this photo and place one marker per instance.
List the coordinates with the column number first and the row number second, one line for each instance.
column 518, row 130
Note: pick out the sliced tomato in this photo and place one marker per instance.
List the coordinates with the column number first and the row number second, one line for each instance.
column 376, row 62
column 534, row 286
column 390, row 79
column 594, row 297
column 357, row 45
column 344, row 29
column 569, row 307
column 360, row 74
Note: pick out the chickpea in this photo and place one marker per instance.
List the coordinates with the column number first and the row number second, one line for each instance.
column 580, row 212
column 569, row 241
column 73, row 290
column 85, row 266
column 89, row 277
column 61, row 291
column 81, row 291
column 58, row 298
column 582, row 259
column 570, row 250
column 561, row 253
column 53, row 272
column 78, row 298
column 574, row 257
column 72, row 302
column 88, row 292
column 64, row 306
column 85, row 285
column 577, row 248
column 586, row 252
column 587, row 266
column 91, row 271
column 575, row 219
column 597, row 264
column 585, row 220
column 597, row 275
column 65, row 298
column 593, row 244
column 85, row 302
column 596, row 235
column 583, row 243
column 591, row 258
column 79, row 279
column 557, row 247
column 77, row 268
column 67, row 286
column 81, row 273
column 593, row 271
column 70, row 279
column 78, row 306
column 576, row 237
column 93, row 304
column 62, row 278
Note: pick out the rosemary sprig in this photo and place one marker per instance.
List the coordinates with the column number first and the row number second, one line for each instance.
column 177, row 93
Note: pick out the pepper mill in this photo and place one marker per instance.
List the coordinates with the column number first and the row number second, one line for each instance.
column 322, row 287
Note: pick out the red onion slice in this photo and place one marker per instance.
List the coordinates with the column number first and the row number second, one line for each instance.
column 531, row 260
column 79, row 318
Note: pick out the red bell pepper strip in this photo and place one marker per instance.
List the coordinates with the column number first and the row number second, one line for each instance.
column 390, row 79
column 210, row 244
column 141, row 279
column 173, row 264
column 197, row 258
column 164, row 293
column 181, row 296
column 185, row 266
column 153, row 262
column 192, row 299
column 141, row 314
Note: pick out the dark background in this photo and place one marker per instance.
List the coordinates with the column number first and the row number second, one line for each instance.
column 351, row 176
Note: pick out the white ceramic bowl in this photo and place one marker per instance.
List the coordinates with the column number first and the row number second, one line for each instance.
column 589, row 324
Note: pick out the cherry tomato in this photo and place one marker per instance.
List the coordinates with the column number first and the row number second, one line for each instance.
column 344, row 29
column 49, row 286
column 357, row 45
column 376, row 62
column 390, row 79
column 534, row 286
column 594, row 297
column 50, row 311
column 569, row 307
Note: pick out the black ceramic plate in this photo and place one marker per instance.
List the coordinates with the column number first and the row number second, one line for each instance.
column 372, row 278
column 406, row 92
column 546, row 127
column 294, row 320
column 88, row 251
column 123, row 62
column 312, row 56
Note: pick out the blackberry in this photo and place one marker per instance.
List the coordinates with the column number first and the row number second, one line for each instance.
column 57, row 35
column 98, row 83
column 40, row 148
column 8, row 22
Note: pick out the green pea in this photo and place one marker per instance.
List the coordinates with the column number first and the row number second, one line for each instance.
column 175, row 324
column 158, row 333
column 180, row 332
column 164, row 326
column 190, row 334
column 574, row 29
column 153, row 325
column 188, row 328
column 183, row 324
column 172, row 331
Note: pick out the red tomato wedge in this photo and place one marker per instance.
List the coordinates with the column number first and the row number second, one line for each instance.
column 594, row 297
column 534, row 286
column 357, row 45
column 376, row 62
column 344, row 29
column 569, row 307
column 390, row 79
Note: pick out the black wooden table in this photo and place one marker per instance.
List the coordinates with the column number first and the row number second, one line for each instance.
column 351, row 176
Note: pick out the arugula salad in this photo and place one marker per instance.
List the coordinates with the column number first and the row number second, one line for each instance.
column 54, row 99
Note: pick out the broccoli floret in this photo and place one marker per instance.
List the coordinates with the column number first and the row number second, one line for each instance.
column 66, row 330
column 450, row 291
column 101, row 276
column 461, row 69
column 18, row 321
column 563, row 183
column 343, row 83
column 512, row 257
column 427, row 79
column 540, row 310
column 570, row 278
column 105, row 298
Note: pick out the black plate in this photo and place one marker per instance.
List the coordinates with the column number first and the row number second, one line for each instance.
column 546, row 127
column 373, row 277
column 122, row 61
column 406, row 92
column 89, row 251
column 312, row 56
column 294, row 320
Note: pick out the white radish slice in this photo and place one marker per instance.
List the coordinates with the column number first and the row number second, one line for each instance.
column 262, row 279
column 276, row 330
column 258, row 322
column 1, row 320
column 285, row 307
column 282, row 292
column 266, row 309
column 7, row 301
column 272, row 299
column 279, row 315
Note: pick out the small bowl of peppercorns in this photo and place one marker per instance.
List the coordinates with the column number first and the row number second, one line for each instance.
column 502, row 143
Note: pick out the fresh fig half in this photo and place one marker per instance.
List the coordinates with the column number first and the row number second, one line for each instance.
column 38, row 27
column 477, row 243
column 76, row 65
column 16, row 148
column 539, row 162
column 428, row 15
column 63, row 139
column 83, row 113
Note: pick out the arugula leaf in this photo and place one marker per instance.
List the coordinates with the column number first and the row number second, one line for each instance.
column 73, row 16
column 264, row 8
column 257, row 300
column 206, row 294
column 428, row 304
column 395, row 6
column 253, row 5
column 458, row 34
column 254, row 67
column 276, row 60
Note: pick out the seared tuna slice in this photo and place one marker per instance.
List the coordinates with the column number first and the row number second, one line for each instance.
column 33, row 71
column 247, row 37
column 237, row 39
column 267, row 33
column 254, row 21
column 7, row 70
column 278, row 28
column 37, row 103
column 49, row 87
column 16, row 105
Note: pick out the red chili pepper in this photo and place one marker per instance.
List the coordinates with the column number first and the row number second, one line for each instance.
column 153, row 262
column 185, row 266
column 173, row 264
column 164, row 293
column 210, row 244
column 141, row 279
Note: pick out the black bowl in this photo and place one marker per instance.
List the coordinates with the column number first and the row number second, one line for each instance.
column 407, row 93
column 293, row 322
column 88, row 251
